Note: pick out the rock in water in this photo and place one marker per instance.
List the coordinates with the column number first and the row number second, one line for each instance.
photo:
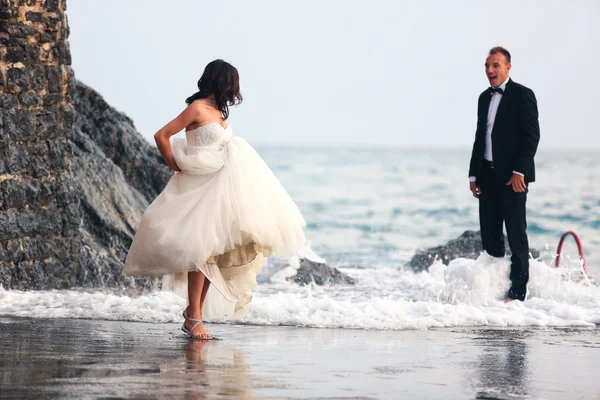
column 305, row 268
column 320, row 274
column 467, row 245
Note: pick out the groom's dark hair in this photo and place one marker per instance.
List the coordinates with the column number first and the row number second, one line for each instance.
column 500, row 49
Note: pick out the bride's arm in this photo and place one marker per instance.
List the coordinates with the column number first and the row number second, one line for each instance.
column 162, row 137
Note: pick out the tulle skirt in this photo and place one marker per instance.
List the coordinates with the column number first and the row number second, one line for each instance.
column 223, row 214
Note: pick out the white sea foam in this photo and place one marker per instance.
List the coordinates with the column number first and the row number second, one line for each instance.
column 465, row 293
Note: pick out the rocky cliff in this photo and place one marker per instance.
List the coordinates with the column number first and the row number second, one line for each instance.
column 39, row 210
column 116, row 173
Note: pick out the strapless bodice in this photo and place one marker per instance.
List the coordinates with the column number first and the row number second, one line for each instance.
column 212, row 134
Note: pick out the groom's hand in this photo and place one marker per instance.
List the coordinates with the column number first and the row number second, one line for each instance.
column 476, row 190
column 518, row 183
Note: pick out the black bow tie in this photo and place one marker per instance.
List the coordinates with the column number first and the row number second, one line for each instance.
column 496, row 90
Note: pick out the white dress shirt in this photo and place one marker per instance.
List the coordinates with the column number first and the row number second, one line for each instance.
column 492, row 110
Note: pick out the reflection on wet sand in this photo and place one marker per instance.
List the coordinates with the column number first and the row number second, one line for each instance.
column 502, row 369
column 62, row 361
column 223, row 368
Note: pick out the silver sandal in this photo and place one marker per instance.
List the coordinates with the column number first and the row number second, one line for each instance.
column 189, row 331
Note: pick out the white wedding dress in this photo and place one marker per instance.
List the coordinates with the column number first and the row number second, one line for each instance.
column 225, row 205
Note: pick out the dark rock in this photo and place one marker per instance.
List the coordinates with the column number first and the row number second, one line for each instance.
column 59, row 275
column 33, row 53
column 8, row 224
column 71, row 84
column 40, row 167
column 55, row 81
column 15, row 54
column 46, row 194
column 24, row 121
column 6, row 274
column 46, row 124
column 17, row 157
column 85, row 175
column 46, row 37
column 319, row 273
column 24, row 276
column 110, row 211
column 8, row 101
column 30, row 99
column 39, row 240
column 32, row 194
column 39, row 148
column 115, row 135
column 13, row 192
column 304, row 269
column 52, row 23
column 17, row 80
column 52, row 99
column 12, row 40
column 18, row 124
column 30, row 249
column 18, row 30
column 67, row 116
column 468, row 245
column 14, row 252
column 65, row 190
column 58, row 152
column 53, row 5
column 71, row 220
column 64, row 52
column 42, row 222
column 35, row 17
column 9, row 126
column 37, row 78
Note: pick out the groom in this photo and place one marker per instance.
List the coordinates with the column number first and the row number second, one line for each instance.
column 502, row 165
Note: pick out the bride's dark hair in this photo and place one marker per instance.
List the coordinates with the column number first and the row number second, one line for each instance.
column 219, row 81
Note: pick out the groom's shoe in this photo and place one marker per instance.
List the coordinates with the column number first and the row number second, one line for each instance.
column 513, row 295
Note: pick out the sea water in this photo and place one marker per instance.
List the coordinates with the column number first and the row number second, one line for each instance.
column 368, row 210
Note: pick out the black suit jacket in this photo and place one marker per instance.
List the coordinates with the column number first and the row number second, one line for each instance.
column 515, row 135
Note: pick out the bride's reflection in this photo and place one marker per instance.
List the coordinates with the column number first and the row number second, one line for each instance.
column 216, row 370
column 502, row 367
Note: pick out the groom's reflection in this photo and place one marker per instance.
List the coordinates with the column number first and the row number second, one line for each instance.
column 502, row 367
column 214, row 368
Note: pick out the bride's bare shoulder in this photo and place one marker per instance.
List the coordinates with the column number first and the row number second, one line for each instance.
column 199, row 105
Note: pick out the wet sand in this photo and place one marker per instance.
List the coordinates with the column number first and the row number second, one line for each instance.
column 86, row 359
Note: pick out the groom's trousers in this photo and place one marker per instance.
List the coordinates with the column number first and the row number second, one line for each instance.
column 498, row 204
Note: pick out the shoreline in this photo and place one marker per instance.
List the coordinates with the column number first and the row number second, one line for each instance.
column 85, row 359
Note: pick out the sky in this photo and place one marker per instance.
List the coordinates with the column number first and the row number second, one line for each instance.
column 345, row 73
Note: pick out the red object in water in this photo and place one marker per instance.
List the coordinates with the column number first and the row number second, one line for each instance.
column 579, row 247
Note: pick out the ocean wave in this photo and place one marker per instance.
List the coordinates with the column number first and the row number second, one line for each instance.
column 464, row 293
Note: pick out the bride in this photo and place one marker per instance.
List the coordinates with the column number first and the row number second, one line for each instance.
column 223, row 211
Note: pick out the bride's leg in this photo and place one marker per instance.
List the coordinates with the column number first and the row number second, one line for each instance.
column 196, row 283
column 211, row 260
column 204, row 292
